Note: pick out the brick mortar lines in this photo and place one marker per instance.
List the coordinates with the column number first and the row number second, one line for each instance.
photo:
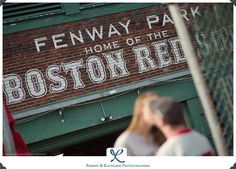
column 20, row 54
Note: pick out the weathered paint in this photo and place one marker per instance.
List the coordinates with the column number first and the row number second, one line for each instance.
column 84, row 57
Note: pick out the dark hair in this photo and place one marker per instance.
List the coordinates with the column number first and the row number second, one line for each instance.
column 157, row 135
column 169, row 110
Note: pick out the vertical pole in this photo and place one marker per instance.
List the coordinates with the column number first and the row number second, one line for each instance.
column 8, row 144
column 198, row 79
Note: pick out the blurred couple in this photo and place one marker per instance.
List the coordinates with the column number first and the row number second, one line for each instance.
column 158, row 128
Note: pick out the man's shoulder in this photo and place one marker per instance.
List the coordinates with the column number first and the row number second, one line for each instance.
column 197, row 135
column 167, row 148
column 181, row 144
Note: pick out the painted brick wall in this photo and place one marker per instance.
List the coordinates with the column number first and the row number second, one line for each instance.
column 20, row 53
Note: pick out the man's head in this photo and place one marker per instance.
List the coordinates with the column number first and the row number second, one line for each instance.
column 167, row 112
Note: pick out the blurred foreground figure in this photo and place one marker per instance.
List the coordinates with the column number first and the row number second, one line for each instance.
column 139, row 138
column 19, row 143
column 181, row 141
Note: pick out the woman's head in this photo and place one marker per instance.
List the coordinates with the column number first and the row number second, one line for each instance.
column 141, row 112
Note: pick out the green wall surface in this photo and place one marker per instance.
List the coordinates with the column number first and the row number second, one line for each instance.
column 83, row 122
column 71, row 13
